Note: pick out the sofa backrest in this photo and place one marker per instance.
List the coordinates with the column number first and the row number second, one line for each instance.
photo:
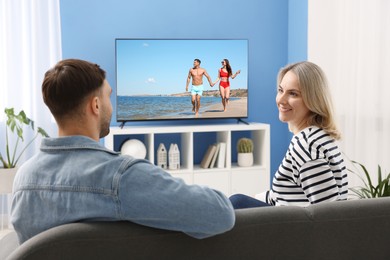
column 338, row 230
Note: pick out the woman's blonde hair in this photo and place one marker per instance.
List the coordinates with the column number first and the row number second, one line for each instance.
column 315, row 94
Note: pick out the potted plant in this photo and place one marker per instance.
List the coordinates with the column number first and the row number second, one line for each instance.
column 369, row 190
column 14, row 125
column 245, row 152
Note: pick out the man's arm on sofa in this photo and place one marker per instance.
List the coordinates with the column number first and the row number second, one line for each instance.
column 169, row 203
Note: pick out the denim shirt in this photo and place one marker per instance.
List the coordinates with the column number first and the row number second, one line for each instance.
column 75, row 179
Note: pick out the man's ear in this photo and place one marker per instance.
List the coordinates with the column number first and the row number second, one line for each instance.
column 95, row 105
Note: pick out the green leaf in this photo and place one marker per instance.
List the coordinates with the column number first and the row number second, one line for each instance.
column 357, row 192
column 382, row 189
column 42, row 132
column 15, row 124
column 19, row 131
column 9, row 112
column 370, row 186
column 12, row 124
column 3, row 161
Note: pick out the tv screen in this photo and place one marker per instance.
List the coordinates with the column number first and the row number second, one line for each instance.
column 152, row 75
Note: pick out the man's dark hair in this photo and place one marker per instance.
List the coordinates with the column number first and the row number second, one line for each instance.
column 66, row 86
column 198, row 60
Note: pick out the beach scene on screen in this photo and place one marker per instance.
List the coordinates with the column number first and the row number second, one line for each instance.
column 151, row 77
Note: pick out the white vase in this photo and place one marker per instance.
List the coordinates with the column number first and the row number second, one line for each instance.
column 6, row 180
column 245, row 159
column 135, row 148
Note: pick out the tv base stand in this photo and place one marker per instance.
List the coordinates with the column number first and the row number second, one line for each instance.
column 242, row 121
column 122, row 124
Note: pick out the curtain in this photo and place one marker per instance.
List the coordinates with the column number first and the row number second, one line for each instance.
column 30, row 43
column 350, row 40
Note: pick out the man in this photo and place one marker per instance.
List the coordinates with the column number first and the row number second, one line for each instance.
column 197, row 73
column 75, row 179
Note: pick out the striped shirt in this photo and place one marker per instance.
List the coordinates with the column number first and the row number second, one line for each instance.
column 312, row 171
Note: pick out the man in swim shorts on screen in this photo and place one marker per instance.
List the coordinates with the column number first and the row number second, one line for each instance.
column 197, row 73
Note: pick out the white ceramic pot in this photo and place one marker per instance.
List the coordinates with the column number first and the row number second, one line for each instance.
column 245, row 159
column 6, row 180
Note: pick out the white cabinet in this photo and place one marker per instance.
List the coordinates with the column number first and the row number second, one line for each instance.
column 193, row 142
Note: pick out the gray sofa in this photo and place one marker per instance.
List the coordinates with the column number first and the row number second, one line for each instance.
column 356, row 229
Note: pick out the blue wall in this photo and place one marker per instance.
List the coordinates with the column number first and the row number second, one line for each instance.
column 276, row 30
column 297, row 30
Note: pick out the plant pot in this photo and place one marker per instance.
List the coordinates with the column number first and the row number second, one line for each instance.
column 245, row 159
column 6, row 180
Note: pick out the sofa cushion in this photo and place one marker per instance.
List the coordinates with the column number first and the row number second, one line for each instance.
column 8, row 244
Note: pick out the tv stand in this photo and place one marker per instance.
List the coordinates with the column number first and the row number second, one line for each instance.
column 193, row 141
column 242, row 121
column 122, row 124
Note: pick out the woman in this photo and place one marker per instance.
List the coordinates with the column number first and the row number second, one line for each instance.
column 224, row 74
column 313, row 170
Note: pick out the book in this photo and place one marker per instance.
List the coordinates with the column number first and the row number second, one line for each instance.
column 208, row 156
column 221, row 155
column 214, row 159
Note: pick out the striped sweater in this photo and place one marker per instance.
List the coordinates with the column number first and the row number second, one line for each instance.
column 312, row 171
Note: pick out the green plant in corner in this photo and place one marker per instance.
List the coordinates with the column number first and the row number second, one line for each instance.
column 15, row 124
column 369, row 190
column 245, row 145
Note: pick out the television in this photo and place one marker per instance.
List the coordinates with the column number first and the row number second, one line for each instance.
column 151, row 77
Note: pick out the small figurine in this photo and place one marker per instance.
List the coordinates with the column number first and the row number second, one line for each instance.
column 174, row 157
column 162, row 156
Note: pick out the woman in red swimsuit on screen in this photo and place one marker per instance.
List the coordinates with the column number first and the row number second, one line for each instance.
column 224, row 74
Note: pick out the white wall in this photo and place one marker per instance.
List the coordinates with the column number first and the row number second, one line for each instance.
column 350, row 40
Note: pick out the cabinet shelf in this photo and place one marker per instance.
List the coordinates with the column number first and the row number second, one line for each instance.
column 193, row 142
